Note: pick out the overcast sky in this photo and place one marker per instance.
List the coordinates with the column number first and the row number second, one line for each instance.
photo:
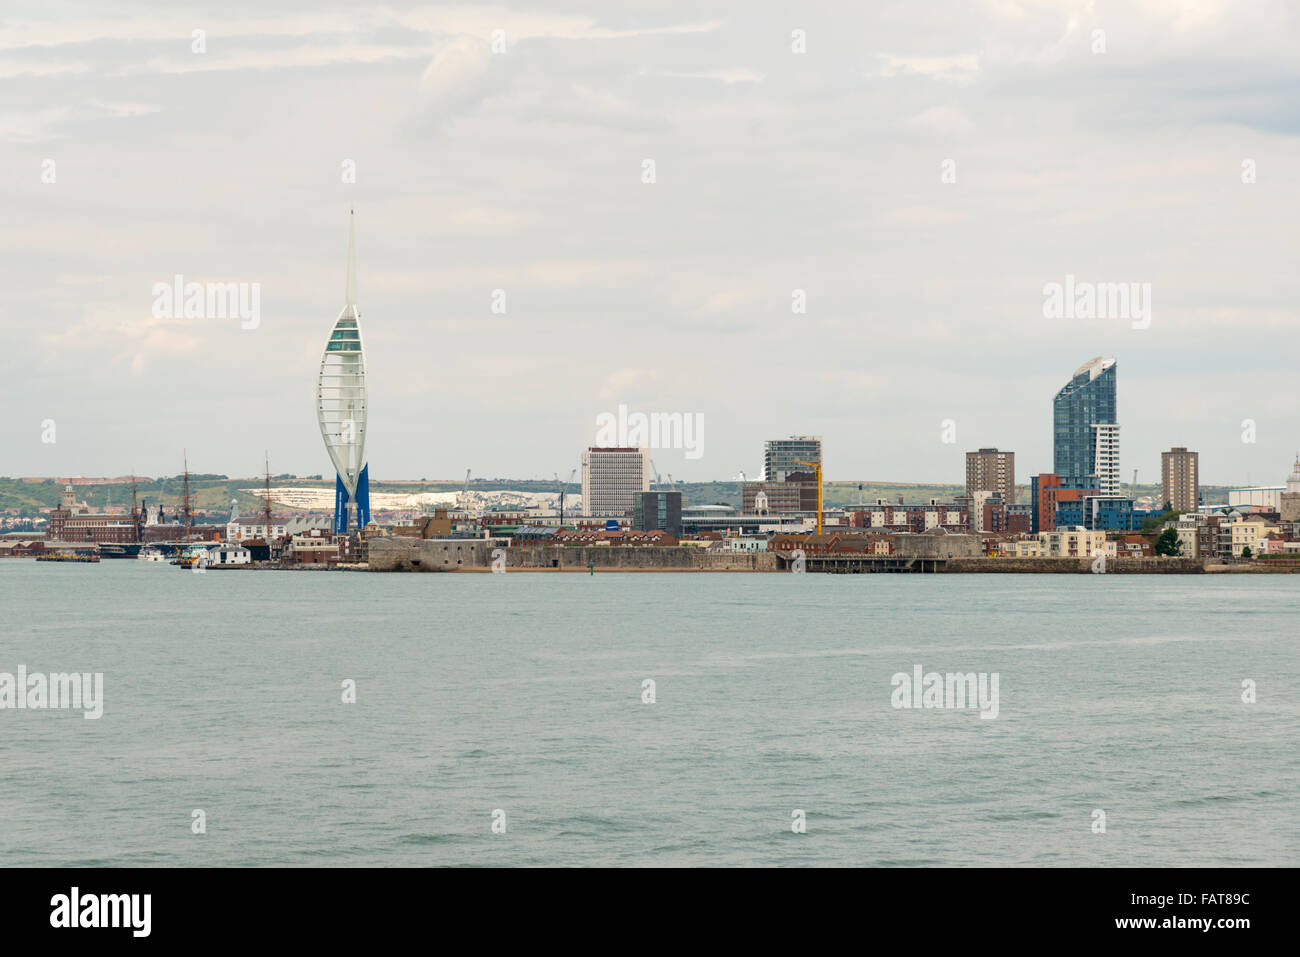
column 522, row 171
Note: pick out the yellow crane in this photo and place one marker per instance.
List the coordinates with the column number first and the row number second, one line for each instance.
column 817, row 467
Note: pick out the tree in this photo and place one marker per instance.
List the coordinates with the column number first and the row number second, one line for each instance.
column 1246, row 552
column 1169, row 544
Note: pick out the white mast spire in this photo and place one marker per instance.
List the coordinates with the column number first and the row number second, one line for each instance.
column 352, row 259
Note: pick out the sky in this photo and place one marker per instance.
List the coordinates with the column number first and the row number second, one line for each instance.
column 920, row 171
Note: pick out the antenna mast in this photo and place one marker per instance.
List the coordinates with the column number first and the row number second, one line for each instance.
column 267, row 503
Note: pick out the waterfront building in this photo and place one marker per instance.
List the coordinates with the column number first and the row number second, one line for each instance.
column 1085, row 437
column 1289, row 500
column 254, row 526
column 612, row 478
column 1047, row 494
column 1021, row 548
column 1097, row 511
column 916, row 519
column 658, row 511
column 781, row 457
column 1020, row 519
column 990, row 470
column 73, row 521
column 1180, row 479
column 1074, row 542
column 341, row 409
column 1105, row 457
column 1246, row 531
column 318, row 547
column 228, row 554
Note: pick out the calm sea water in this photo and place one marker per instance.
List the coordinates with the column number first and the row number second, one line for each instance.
column 523, row 692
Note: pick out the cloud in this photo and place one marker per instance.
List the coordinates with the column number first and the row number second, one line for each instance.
column 728, row 76
column 941, row 121
column 458, row 78
column 958, row 68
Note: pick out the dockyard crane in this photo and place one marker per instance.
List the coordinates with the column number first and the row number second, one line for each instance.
column 654, row 470
column 464, row 494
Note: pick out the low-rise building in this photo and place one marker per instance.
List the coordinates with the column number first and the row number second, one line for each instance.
column 227, row 554
column 1021, row 548
column 1246, row 533
column 1074, row 542
column 317, row 547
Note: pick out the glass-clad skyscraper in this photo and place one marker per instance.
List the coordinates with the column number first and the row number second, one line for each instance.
column 1086, row 430
column 341, row 407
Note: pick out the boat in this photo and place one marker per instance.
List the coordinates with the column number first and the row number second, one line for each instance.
column 192, row 554
column 119, row 549
column 84, row 555
column 152, row 553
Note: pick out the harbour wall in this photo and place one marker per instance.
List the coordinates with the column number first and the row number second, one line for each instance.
column 439, row 555
column 450, row 555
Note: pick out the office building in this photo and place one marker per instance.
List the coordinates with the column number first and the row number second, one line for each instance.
column 658, row 511
column 783, row 456
column 612, row 478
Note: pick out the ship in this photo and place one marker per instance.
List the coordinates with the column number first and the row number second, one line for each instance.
column 83, row 554
column 120, row 549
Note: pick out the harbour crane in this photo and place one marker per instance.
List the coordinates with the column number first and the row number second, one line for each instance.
column 562, row 483
column 464, row 494
column 654, row 470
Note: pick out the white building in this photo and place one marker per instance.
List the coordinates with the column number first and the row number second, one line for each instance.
column 228, row 554
column 1106, row 457
column 611, row 480
column 237, row 530
column 1270, row 496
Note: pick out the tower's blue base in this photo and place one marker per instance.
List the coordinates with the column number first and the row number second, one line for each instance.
column 341, row 502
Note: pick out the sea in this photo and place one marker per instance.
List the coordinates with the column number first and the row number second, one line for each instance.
column 294, row 718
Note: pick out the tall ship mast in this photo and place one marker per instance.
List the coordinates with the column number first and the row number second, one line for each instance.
column 267, row 503
column 187, row 497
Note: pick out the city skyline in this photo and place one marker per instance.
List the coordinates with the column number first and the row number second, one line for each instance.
column 130, row 163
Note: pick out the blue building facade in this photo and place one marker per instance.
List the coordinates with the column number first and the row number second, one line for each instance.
column 1087, row 400
column 342, row 499
column 1101, row 512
